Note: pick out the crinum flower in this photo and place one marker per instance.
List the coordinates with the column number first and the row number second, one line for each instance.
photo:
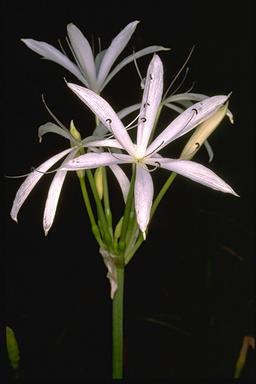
column 143, row 154
column 58, row 180
column 94, row 73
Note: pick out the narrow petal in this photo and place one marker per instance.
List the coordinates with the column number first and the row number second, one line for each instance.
column 187, row 120
column 94, row 160
column 143, row 195
column 110, row 143
column 30, row 182
column 106, row 114
column 83, row 54
column 126, row 111
column 114, row 50
column 150, row 103
column 188, row 96
column 122, row 179
column 174, row 107
column 53, row 54
column 54, row 128
column 54, row 195
column 194, row 171
column 131, row 58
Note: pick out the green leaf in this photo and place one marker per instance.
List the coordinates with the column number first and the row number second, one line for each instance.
column 12, row 348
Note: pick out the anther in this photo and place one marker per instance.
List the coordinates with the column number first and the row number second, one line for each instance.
column 143, row 119
column 108, row 121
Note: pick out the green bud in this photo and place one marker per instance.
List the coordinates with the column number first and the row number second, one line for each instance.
column 74, row 132
column 118, row 228
column 98, row 178
column 202, row 132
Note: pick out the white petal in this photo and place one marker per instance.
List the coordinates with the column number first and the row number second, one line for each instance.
column 110, row 143
column 106, row 114
column 194, row 171
column 126, row 111
column 94, row 160
column 150, row 103
column 122, row 179
column 53, row 195
column 83, row 54
column 187, row 120
column 143, row 195
column 114, row 50
column 188, row 96
column 131, row 58
column 53, row 54
column 30, row 182
column 54, row 128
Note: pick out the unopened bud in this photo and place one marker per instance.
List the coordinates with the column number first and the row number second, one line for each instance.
column 74, row 132
column 202, row 132
column 118, row 228
column 98, row 178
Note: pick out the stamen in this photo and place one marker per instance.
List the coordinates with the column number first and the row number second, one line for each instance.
column 33, row 169
column 197, row 145
column 111, row 153
column 155, row 167
column 181, row 83
column 155, row 150
column 142, row 81
column 99, row 44
column 143, row 119
column 61, row 47
column 136, row 117
column 179, row 72
column 53, row 116
column 193, row 114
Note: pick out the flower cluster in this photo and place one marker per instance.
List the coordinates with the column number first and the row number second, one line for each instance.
column 111, row 146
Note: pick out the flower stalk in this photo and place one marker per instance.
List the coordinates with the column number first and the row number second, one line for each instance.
column 118, row 326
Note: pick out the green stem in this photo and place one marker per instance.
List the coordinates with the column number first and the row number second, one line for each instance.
column 127, row 211
column 106, row 201
column 156, row 202
column 88, row 206
column 101, row 213
column 162, row 192
column 117, row 327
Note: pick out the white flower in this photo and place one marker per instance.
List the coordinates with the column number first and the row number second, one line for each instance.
column 142, row 153
column 94, row 73
column 58, row 180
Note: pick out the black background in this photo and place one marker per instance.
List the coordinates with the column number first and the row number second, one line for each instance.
column 195, row 272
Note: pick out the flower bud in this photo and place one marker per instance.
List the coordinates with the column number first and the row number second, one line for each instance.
column 118, row 228
column 98, row 178
column 74, row 132
column 202, row 132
